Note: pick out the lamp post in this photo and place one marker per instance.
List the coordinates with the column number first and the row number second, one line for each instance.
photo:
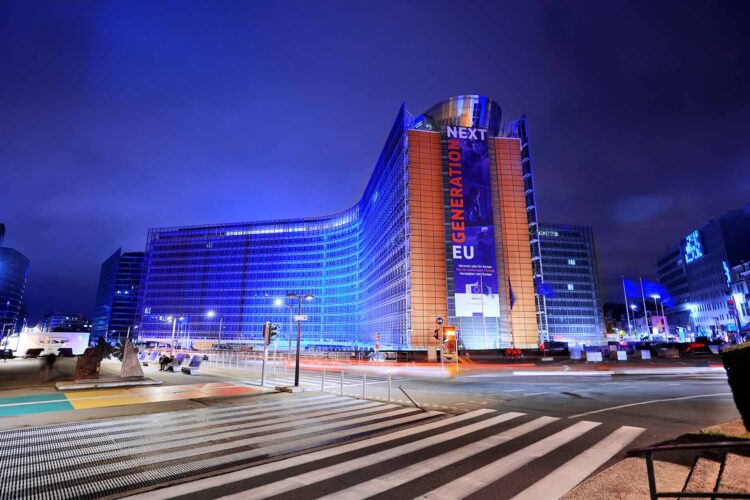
column 212, row 314
column 299, row 331
column 174, row 319
column 279, row 302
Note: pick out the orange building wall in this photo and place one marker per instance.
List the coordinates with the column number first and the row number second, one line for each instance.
column 516, row 253
column 427, row 237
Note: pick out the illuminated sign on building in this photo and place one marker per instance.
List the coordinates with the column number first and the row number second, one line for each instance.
column 693, row 248
column 472, row 231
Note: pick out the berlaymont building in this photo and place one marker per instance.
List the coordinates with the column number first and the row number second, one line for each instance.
column 445, row 231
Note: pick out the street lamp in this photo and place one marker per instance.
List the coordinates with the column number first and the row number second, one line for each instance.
column 174, row 319
column 299, row 331
column 212, row 314
column 279, row 302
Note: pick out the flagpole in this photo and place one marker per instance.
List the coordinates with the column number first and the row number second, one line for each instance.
column 645, row 311
column 627, row 306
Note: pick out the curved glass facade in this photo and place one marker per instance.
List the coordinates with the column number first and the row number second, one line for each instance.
column 14, row 270
column 365, row 266
column 231, row 276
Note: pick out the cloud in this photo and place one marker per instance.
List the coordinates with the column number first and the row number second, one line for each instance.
column 639, row 208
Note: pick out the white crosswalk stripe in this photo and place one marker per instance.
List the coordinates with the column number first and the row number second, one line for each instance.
column 475, row 481
column 558, row 481
column 362, row 449
column 403, row 476
column 565, row 478
column 44, row 464
column 308, row 478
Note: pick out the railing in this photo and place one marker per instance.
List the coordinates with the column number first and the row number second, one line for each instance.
column 722, row 446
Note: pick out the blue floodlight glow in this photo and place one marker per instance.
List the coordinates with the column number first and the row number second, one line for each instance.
column 727, row 272
column 693, row 247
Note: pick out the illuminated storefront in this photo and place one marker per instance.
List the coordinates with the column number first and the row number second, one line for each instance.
column 445, row 228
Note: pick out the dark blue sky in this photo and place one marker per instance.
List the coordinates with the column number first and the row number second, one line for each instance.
column 120, row 116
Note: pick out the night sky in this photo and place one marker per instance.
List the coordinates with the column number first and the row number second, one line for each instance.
column 120, row 116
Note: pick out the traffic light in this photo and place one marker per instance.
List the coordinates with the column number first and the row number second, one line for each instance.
column 273, row 330
column 270, row 330
column 449, row 333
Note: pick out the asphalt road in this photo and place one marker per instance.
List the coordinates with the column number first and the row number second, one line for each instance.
column 658, row 407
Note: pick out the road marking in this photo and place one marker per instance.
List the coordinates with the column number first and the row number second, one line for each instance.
column 535, row 393
column 421, row 469
column 301, row 480
column 552, row 373
column 602, row 410
column 513, row 390
column 566, row 477
column 484, row 476
column 241, row 475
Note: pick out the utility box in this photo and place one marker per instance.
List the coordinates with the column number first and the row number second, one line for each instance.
column 594, row 357
column 432, row 354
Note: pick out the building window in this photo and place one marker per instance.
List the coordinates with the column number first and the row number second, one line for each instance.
column 571, row 262
column 570, row 286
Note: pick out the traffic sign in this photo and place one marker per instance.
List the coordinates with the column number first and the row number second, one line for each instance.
column 732, row 307
column 300, row 317
column 439, row 320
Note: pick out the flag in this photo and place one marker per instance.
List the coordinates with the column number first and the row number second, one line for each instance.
column 512, row 296
column 651, row 288
column 632, row 289
column 543, row 288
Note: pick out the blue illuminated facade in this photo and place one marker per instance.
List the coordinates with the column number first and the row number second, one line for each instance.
column 224, row 281
column 116, row 306
column 696, row 273
column 14, row 271
column 354, row 263
column 575, row 312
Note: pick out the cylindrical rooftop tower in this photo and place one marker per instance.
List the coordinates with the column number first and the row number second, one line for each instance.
column 474, row 111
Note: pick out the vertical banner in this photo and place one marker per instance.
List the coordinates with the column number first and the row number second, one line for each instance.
column 472, row 231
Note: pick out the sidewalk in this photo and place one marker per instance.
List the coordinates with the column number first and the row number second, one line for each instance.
column 628, row 479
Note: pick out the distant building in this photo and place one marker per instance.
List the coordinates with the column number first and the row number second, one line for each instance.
column 14, row 271
column 670, row 269
column 697, row 272
column 741, row 294
column 574, row 304
column 117, row 294
column 62, row 322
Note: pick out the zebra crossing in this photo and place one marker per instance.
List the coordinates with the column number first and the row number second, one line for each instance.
column 316, row 445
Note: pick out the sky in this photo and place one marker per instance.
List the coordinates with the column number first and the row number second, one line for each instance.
column 119, row 116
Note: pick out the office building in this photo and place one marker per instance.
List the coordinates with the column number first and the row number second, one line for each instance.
column 697, row 272
column 575, row 311
column 445, row 228
column 740, row 291
column 116, row 304
column 14, row 272
column 62, row 322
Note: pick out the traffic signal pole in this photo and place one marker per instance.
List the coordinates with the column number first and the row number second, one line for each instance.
column 266, row 331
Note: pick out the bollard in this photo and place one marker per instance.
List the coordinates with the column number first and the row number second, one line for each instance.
column 341, row 389
column 364, row 384
column 389, row 388
column 323, row 381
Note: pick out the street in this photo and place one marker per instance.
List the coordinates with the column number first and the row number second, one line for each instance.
column 485, row 433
